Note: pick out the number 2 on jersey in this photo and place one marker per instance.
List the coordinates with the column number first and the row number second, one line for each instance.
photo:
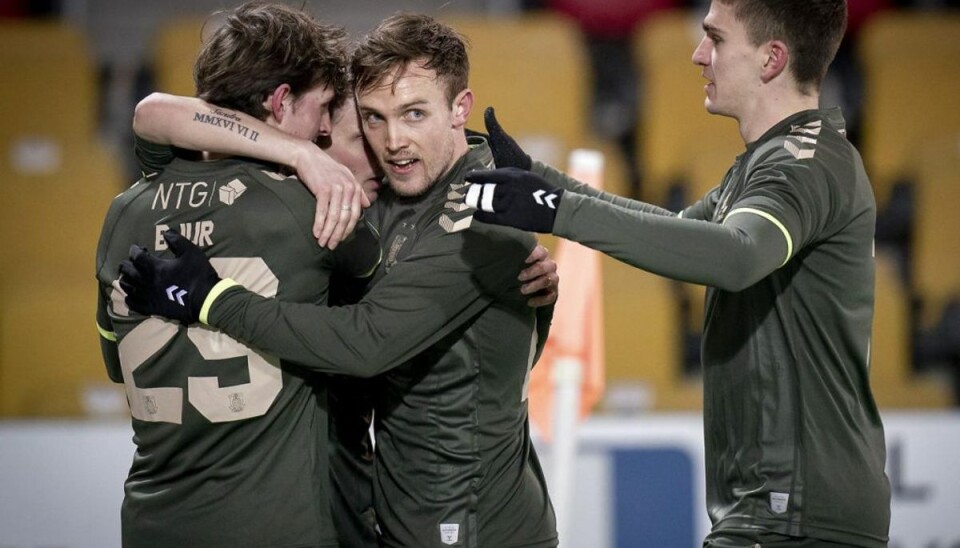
column 216, row 403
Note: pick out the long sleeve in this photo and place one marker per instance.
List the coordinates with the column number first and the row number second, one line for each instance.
column 108, row 340
column 422, row 300
column 731, row 256
column 564, row 181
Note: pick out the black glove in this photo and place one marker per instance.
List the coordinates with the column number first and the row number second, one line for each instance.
column 172, row 288
column 513, row 197
column 506, row 151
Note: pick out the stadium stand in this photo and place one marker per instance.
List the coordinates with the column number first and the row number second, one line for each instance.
column 545, row 105
column 57, row 182
column 673, row 125
column 911, row 64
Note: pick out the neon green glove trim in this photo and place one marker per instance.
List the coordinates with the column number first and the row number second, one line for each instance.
column 221, row 286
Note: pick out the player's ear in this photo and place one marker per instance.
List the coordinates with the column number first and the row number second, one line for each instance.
column 278, row 102
column 461, row 108
column 777, row 56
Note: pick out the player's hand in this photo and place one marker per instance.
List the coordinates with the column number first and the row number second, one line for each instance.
column 513, row 197
column 340, row 198
column 172, row 288
column 540, row 280
column 506, row 151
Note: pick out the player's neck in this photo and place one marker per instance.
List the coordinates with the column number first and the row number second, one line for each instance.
column 773, row 109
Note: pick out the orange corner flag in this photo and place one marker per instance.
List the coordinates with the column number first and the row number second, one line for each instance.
column 577, row 330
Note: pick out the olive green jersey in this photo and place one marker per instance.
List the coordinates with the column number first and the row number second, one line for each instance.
column 446, row 321
column 794, row 442
column 230, row 441
column 787, row 358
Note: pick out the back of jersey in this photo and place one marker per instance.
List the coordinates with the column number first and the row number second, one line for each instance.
column 229, row 440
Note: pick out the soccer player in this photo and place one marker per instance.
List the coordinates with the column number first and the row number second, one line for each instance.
column 231, row 441
column 168, row 120
column 455, row 465
column 794, row 442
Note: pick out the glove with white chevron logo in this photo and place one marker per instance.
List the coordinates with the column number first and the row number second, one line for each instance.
column 513, row 197
column 172, row 288
column 506, row 151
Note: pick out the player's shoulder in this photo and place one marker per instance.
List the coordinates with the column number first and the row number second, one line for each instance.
column 455, row 217
column 126, row 200
column 804, row 139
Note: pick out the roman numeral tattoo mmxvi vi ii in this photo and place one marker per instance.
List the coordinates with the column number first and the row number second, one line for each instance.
column 228, row 121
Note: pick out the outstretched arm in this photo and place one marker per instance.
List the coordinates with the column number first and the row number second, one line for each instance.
column 421, row 302
column 194, row 124
column 731, row 256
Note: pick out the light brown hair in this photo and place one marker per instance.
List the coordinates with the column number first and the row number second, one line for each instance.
column 404, row 38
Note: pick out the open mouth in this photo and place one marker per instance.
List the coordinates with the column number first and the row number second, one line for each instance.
column 402, row 166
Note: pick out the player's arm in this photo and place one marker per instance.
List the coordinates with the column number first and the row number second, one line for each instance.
column 732, row 255
column 194, row 124
column 360, row 254
column 108, row 340
column 507, row 153
column 420, row 302
column 559, row 179
column 423, row 300
column 704, row 208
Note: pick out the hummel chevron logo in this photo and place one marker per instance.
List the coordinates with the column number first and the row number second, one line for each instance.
column 176, row 296
column 548, row 200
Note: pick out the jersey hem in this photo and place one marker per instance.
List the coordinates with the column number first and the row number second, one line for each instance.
column 792, row 528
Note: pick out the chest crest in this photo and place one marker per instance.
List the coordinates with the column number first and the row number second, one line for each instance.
column 394, row 250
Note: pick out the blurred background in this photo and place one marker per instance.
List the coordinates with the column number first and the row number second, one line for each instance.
column 609, row 75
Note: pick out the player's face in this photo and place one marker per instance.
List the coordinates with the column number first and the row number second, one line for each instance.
column 412, row 128
column 307, row 115
column 729, row 63
column 347, row 146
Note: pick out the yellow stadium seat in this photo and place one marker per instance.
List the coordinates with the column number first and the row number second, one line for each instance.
column 175, row 49
column 49, row 349
column 936, row 233
column 534, row 70
column 892, row 379
column 643, row 341
column 675, row 128
column 49, row 82
column 706, row 170
column 50, row 221
column 911, row 67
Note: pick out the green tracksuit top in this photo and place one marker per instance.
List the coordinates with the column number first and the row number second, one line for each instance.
column 446, row 326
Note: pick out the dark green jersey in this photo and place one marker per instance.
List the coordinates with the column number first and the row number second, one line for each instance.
column 786, row 360
column 455, row 466
column 230, row 440
column 794, row 442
